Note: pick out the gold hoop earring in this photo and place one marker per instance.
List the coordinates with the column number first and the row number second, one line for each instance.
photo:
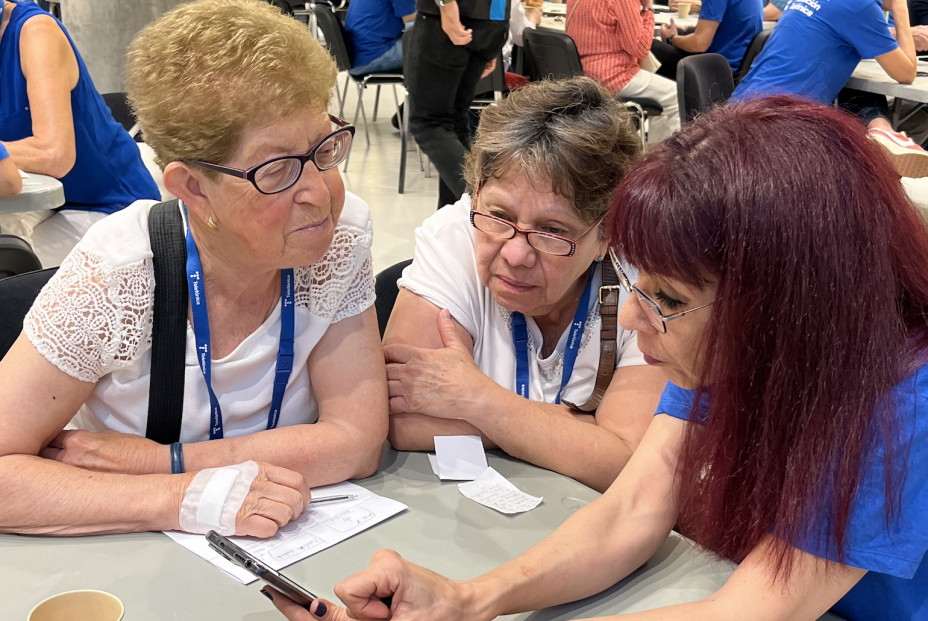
column 212, row 224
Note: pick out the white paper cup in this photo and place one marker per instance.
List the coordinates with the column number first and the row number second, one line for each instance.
column 683, row 9
column 79, row 606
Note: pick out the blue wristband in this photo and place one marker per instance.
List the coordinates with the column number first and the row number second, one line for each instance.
column 177, row 458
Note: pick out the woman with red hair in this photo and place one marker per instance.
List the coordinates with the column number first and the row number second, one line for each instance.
column 790, row 314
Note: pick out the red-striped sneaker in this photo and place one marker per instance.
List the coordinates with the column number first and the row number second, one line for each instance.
column 909, row 159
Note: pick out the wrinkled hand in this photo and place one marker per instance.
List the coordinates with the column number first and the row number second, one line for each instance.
column 491, row 66
column 451, row 25
column 276, row 497
column 920, row 36
column 109, row 451
column 436, row 382
column 668, row 30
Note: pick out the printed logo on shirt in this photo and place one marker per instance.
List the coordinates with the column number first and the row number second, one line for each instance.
column 806, row 7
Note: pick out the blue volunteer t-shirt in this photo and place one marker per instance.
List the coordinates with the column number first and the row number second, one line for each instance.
column 3, row 152
column 374, row 26
column 815, row 48
column 739, row 22
column 895, row 587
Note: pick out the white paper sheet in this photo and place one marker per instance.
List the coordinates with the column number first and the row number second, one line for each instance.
column 321, row 527
column 491, row 489
column 460, row 458
column 433, row 461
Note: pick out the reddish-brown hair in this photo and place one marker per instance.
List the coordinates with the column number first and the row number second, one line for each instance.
column 821, row 262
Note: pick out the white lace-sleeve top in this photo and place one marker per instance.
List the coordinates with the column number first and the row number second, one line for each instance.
column 93, row 321
column 444, row 272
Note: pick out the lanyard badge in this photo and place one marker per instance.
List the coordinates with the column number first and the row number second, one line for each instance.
column 201, row 336
column 574, row 338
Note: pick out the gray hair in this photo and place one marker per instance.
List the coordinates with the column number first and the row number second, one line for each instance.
column 570, row 135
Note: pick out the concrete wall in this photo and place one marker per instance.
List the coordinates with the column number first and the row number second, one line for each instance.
column 102, row 31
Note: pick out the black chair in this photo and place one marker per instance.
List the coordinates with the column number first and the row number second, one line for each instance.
column 703, row 81
column 386, row 290
column 16, row 297
column 494, row 83
column 118, row 103
column 16, row 257
column 337, row 42
column 754, row 50
column 554, row 55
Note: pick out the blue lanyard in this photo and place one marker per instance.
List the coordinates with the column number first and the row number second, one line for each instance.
column 520, row 340
column 201, row 335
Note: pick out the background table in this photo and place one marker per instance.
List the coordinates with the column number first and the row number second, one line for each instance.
column 870, row 77
column 39, row 192
column 158, row 580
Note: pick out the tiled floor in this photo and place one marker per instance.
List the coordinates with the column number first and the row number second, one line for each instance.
column 373, row 174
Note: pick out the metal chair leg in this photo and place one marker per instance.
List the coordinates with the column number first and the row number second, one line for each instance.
column 344, row 96
column 376, row 104
column 360, row 107
column 404, row 142
column 396, row 101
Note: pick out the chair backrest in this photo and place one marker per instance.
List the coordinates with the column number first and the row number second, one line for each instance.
column 703, row 81
column 754, row 50
column 386, row 290
column 495, row 82
column 16, row 297
column 336, row 41
column 118, row 103
column 16, row 257
column 551, row 55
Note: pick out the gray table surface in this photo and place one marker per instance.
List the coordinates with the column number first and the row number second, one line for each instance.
column 158, row 580
column 870, row 77
column 39, row 192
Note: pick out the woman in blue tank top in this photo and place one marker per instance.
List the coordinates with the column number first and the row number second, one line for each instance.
column 53, row 121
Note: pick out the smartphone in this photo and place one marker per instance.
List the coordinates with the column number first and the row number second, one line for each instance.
column 274, row 578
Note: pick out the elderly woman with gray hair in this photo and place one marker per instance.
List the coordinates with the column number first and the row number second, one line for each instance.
column 505, row 325
column 283, row 385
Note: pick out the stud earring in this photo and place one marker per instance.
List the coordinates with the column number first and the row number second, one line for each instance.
column 212, row 224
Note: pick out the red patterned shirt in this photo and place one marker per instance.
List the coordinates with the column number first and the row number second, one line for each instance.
column 612, row 37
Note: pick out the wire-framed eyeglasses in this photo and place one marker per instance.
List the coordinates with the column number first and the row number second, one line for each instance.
column 280, row 173
column 651, row 308
column 548, row 243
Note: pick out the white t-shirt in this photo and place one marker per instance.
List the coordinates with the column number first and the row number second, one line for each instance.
column 93, row 322
column 444, row 272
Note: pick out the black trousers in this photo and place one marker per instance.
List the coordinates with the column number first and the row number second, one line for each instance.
column 441, row 79
column 668, row 56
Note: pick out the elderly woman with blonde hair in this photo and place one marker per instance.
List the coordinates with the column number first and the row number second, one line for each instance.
column 232, row 97
column 505, row 326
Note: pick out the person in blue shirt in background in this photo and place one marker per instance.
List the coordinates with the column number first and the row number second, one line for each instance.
column 10, row 181
column 725, row 27
column 816, row 46
column 375, row 28
column 54, row 122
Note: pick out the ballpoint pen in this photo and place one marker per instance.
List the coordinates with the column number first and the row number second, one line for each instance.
column 317, row 501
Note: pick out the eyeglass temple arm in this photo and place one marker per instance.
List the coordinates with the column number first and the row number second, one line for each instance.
column 235, row 172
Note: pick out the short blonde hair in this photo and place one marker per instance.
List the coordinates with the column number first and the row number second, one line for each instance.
column 204, row 72
column 571, row 134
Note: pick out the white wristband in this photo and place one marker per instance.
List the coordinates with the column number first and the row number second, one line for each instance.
column 214, row 497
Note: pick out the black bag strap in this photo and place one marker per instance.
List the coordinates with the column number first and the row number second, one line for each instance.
column 169, row 323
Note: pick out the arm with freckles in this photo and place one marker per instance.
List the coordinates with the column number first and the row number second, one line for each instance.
column 50, row 67
column 444, row 388
column 44, row 496
column 347, row 375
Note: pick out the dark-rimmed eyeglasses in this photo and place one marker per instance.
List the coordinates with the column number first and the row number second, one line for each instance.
column 547, row 243
column 280, row 173
column 651, row 308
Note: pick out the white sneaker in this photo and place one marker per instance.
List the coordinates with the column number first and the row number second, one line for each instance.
column 909, row 159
